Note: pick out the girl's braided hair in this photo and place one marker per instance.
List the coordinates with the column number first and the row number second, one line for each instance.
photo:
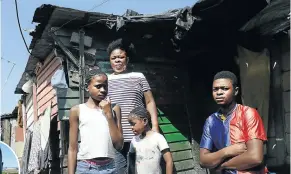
column 90, row 73
column 140, row 112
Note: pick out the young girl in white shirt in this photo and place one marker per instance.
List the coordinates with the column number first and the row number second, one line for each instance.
column 147, row 146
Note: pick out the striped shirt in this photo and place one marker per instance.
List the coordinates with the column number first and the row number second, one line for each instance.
column 127, row 90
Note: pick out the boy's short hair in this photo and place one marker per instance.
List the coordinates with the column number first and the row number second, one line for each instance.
column 226, row 75
column 140, row 112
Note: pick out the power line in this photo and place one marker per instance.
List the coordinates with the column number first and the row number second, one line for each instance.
column 97, row 22
column 19, row 26
column 98, row 5
column 8, row 61
column 8, row 74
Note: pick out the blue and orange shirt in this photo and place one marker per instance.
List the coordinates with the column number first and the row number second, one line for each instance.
column 242, row 124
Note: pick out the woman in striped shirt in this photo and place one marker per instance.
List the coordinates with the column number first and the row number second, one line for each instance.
column 129, row 90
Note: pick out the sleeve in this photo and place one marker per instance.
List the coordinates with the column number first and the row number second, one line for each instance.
column 254, row 127
column 144, row 83
column 162, row 143
column 131, row 147
column 206, row 140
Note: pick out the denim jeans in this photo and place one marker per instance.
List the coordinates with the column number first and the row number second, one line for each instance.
column 120, row 163
column 86, row 168
column 120, row 159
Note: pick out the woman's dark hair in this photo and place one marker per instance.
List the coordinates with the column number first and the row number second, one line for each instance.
column 123, row 44
column 89, row 74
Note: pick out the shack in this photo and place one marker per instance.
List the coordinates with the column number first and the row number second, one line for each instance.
column 179, row 51
column 12, row 130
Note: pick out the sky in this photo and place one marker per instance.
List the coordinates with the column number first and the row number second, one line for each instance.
column 8, row 157
column 12, row 45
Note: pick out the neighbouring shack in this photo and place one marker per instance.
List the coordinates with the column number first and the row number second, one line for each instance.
column 179, row 51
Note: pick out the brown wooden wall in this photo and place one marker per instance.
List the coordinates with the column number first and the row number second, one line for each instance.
column 29, row 112
column 46, row 95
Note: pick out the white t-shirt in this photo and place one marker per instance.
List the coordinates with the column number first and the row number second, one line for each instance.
column 148, row 153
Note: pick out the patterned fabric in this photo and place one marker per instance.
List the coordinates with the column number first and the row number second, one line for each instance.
column 26, row 152
column 241, row 125
column 33, row 164
column 127, row 90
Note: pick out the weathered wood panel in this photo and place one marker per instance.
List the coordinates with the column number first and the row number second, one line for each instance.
column 44, row 101
column 29, row 112
column 285, row 54
column 286, row 101
column 48, row 72
column 286, row 81
column 279, row 136
column 46, row 95
column 48, row 59
column 6, row 131
column 46, row 91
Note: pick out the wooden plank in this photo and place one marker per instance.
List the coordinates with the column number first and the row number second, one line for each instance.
column 163, row 120
column 287, row 140
column 29, row 121
column 28, row 98
column 184, row 165
column 29, row 113
column 34, row 101
column 285, row 53
column 160, row 113
column 42, row 86
column 28, row 106
column 67, row 103
column 287, row 123
column 46, row 92
column 182, row 155
column 286, row 101
column 48, row 75
column 48, row 68
column 286, row 81
column 44, row 107
column 70, row 93
column 287, row 159
column 168, row 128
column 174, row 137
column 48, row 59
column 51, row 99
column 178, row 146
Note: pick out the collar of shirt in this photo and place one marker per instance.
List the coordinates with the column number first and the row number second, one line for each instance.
column 224, row 117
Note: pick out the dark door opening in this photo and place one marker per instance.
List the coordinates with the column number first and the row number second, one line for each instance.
column 201, row 71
